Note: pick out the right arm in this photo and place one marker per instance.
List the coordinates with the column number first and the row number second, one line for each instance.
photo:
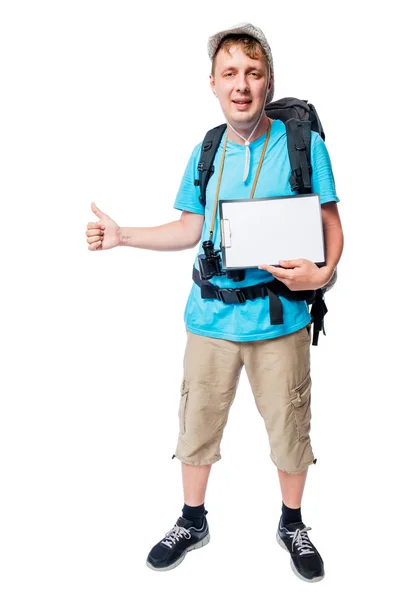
column 177, row 235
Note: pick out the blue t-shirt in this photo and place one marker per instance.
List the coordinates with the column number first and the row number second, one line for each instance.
column 249, row 321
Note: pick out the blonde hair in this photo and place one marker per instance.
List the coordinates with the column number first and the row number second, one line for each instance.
column 250, row 46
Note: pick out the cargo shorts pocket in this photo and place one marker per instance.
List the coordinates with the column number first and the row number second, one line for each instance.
column 182, row 408
column 300, row 398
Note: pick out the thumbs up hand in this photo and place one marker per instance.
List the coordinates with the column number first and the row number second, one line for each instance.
column 104, row 234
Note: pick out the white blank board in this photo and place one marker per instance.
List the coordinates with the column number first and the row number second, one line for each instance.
column 267, row 230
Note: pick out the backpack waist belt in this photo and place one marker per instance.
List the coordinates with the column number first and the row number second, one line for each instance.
column 272, row 289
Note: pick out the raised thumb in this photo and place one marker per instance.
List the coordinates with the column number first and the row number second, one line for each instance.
column 96, row 210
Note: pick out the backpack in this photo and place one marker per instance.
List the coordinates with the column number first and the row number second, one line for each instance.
column 300, row 118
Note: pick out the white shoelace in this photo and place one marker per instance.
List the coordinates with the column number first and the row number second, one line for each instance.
column 300, row 538
column 175, row 535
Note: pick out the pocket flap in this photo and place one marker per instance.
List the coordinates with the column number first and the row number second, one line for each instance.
column 301, row 393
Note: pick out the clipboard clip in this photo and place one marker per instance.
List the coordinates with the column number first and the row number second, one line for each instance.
column 226, row 234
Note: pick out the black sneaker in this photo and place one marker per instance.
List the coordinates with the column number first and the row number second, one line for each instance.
column 306, row 561
column 172, row 549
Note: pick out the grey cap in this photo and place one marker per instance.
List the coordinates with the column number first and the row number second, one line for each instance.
column 247, row 29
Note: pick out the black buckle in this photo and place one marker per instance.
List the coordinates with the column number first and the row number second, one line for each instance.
column 231, row 296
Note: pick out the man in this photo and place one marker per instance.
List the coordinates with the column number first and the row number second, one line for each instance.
column 222, row 338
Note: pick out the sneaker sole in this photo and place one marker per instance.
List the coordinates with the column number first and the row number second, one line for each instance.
column 295, row 571
column 199, row 544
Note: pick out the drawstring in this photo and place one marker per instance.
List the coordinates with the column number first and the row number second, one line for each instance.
column 247, row 146
column 247, row 142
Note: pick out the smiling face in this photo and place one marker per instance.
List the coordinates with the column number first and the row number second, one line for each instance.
column 240, row 84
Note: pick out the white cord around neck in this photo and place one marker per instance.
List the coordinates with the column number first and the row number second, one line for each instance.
column 247, row 142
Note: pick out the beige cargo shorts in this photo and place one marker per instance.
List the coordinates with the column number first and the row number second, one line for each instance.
column 278, row 370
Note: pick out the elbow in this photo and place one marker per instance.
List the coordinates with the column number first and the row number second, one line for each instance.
column 193, row 243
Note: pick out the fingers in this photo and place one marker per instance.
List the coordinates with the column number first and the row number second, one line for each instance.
column 94, row 238
column 98, row 225
column 93, row 231
column 94, row 235
column 276, row 271
column 95, row 245
column 291, row 264
column 279, row 273
column 286, row 267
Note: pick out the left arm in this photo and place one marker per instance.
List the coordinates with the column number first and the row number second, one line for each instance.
column 333, row 236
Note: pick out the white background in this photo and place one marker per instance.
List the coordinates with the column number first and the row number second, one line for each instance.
column 105, row 101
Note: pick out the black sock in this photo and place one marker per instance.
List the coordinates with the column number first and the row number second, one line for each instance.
column 195, row 514
column 290, row 515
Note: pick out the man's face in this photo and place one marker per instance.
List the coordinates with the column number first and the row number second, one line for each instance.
column 240, row 83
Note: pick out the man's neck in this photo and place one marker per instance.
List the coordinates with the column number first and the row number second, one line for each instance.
column 245, row 132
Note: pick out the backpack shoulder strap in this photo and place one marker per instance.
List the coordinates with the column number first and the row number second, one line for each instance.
column 299, row 140
column 316, row 124
column 205, row 167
